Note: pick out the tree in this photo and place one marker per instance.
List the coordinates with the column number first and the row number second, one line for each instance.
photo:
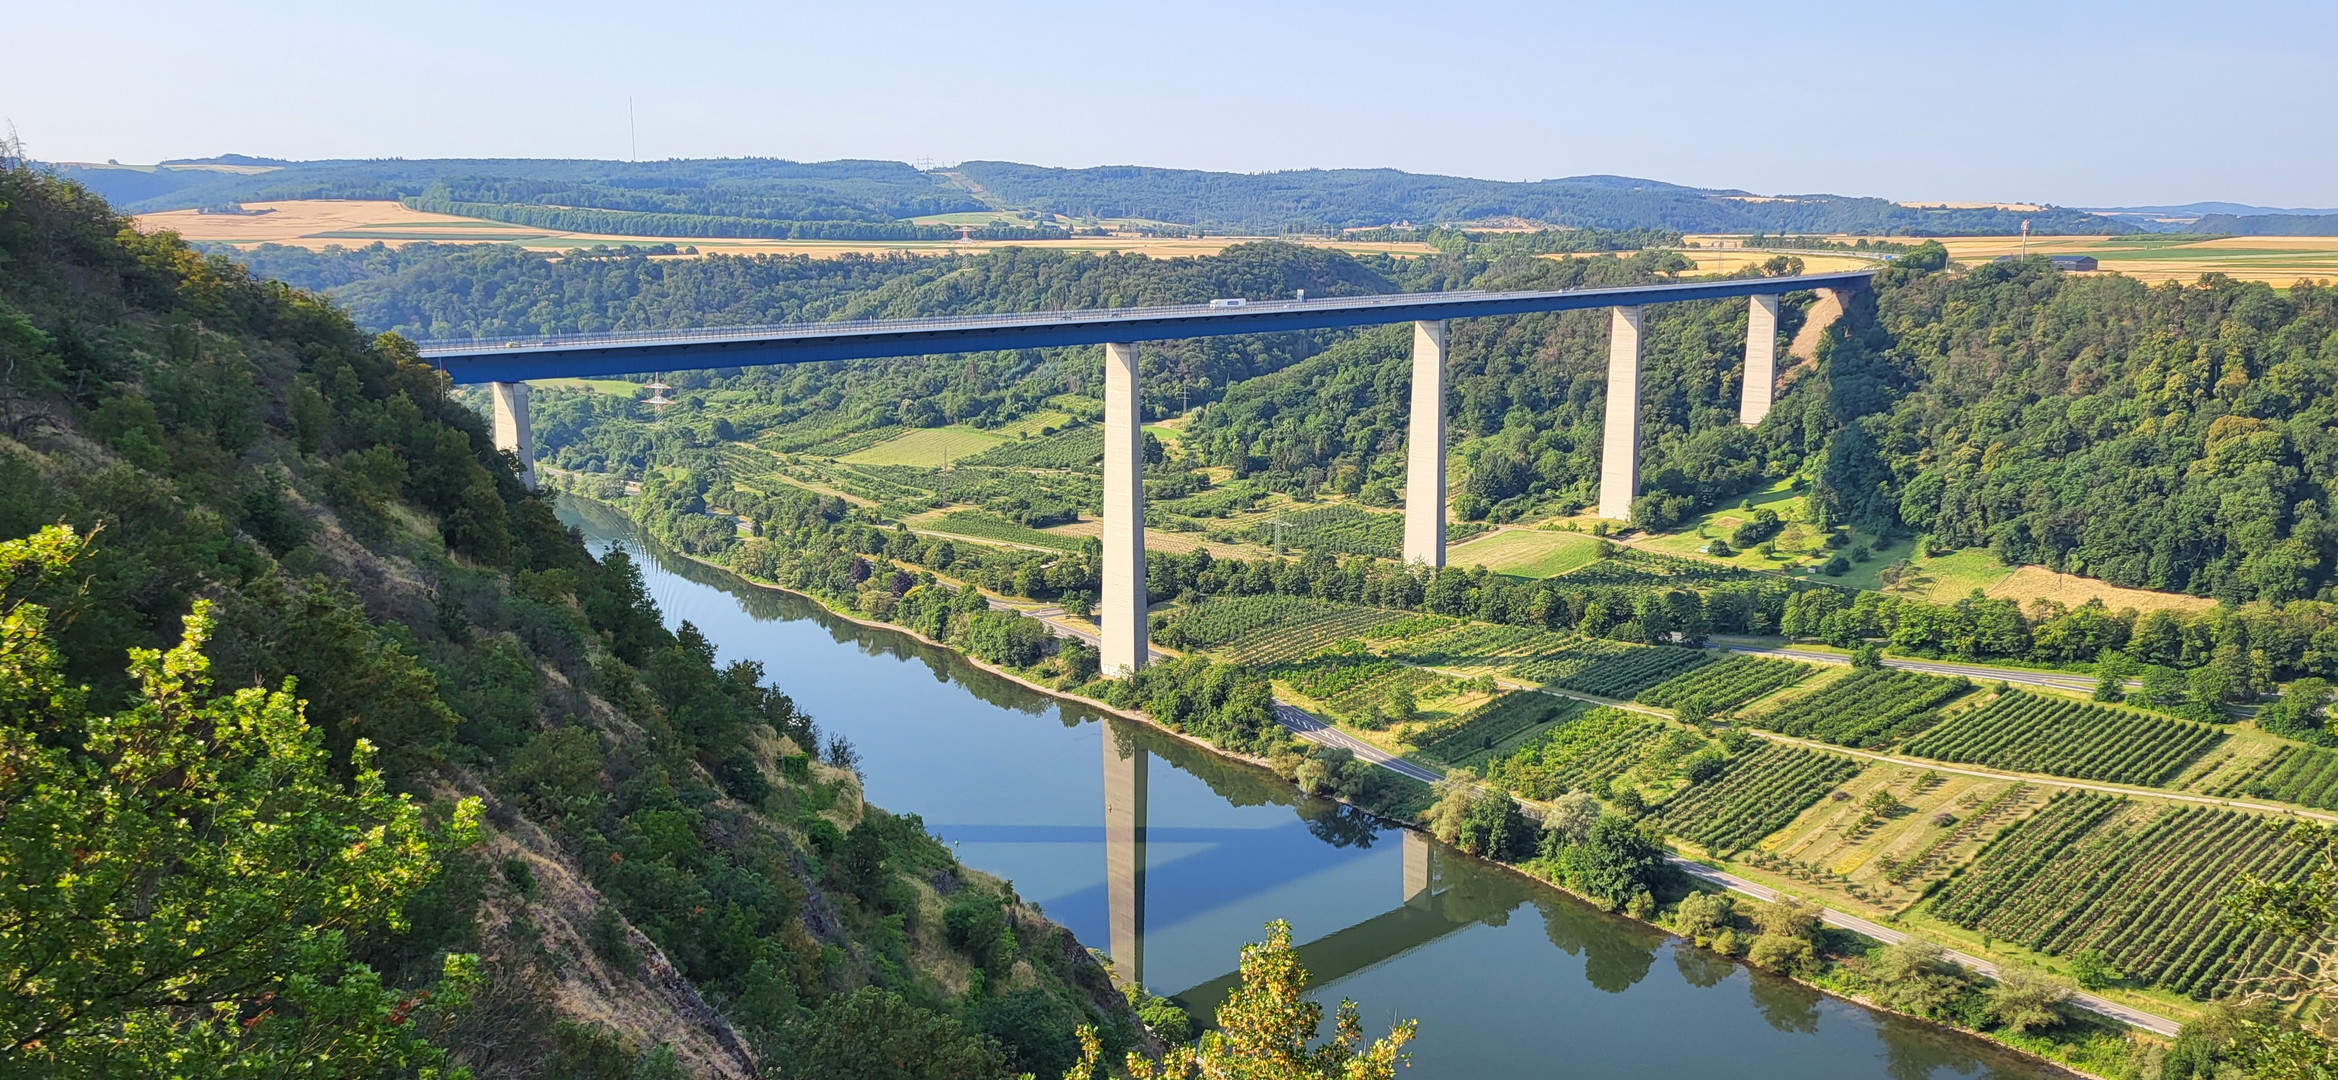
column 2025, row 998
column 1571, row 817
column 2091, row 969
column 1614, row 862
column 2306, row 909
column 1702, row 915
column 1915, row 976
column 1264, row 1029
column 2112, row 669
column 179, row 882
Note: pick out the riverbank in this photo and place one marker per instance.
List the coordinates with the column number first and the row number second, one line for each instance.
column 956, row 655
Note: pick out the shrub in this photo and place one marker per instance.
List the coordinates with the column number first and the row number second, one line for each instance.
column 1916, row 977
column 1703, row 915
column 1788, row 955
column 2025, row 998
column 977, row 926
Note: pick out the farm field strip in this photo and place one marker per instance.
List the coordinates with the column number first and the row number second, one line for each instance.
column 1586, row 753
column 2029, row 732
column 1492, row 724
column 1756, row 794
column 2142, row 884
column 1869, row 708
column 981, row 525
column 1726, row 684
column 2306, row 775
column 1532, row 553
column 924, row 447
column 1272, row 629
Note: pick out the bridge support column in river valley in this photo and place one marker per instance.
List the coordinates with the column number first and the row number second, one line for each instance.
column 1619, row 455
column 511, row 426
column 1125, row 766
column 1416, row 868
column 1761, row 360
column 1424, row 468
column 1121, row 610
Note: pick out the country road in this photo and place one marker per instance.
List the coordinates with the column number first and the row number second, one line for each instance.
column 2057, row 680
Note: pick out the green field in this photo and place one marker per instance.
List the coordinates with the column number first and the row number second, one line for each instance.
column 925, row 448
column 1527, row 553
column 987, row 526
column 611, row 387
column 1800, row 549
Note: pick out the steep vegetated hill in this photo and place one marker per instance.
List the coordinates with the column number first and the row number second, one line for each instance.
column 641, row 845
column 1310, row 199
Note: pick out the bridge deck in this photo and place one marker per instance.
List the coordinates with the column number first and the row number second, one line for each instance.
column 581, row 356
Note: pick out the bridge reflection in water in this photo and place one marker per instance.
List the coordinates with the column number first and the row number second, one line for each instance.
column 1423, row 906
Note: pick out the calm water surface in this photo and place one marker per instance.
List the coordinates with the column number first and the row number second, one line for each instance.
column 1169, row 858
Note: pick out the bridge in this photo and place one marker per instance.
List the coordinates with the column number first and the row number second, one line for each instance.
column 506, row 365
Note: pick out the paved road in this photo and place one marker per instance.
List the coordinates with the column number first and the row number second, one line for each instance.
column 1309, row 727
column 2055, row 679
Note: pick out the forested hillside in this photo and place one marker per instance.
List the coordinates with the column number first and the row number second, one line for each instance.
column 418, row 782
column 875, row 200
column 1316, row 199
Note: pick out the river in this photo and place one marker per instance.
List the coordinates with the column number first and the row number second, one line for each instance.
column 1169, row 857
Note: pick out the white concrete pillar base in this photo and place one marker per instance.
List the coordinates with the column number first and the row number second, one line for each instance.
column 1619, row 455
column 1761, row 360
column 1424, row 468
column 510, row 416
column 1122, row 607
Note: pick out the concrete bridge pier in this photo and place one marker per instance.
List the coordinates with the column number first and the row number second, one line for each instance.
column 510, row 408
column 1424, row 468
column 1125, row 768
column 1417, row 873
column 1619, row 455
column 1761, row 360
column 1121, row 608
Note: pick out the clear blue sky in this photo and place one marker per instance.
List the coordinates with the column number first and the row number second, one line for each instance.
column 2074, row 103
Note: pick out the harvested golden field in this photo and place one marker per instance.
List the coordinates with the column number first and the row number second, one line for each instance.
column 2275, row 260
column 1731, row 260
column 315, row 223
column 320, row 223
column 2029, row 583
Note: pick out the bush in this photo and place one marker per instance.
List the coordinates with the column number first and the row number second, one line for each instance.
column 1032, row 1029
column 1916, row 977
column 2092, row 969
column 1787, row 955
column 873, row 1033
column 1703, row 915
column 977, row 926
column 2026, row 998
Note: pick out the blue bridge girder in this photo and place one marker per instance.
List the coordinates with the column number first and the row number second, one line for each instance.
column 634, row 353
